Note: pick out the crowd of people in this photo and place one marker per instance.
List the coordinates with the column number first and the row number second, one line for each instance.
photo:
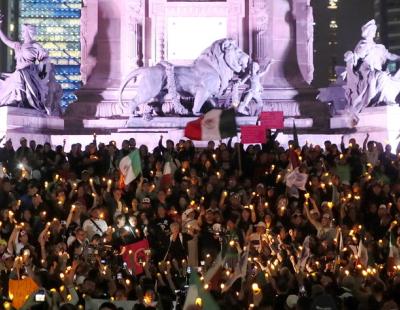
column 225, row 216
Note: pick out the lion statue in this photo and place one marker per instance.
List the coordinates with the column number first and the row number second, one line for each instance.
column 207, row 78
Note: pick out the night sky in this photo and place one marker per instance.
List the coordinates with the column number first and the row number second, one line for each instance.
column 350, row 16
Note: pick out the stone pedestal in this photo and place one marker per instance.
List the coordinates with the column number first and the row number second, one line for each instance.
column 119, row 35
column 31, row 124
column 385, row 117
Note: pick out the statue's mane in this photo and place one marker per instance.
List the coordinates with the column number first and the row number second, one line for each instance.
column 214, row 55
column 212, row 52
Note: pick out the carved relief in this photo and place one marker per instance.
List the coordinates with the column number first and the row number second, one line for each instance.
column 260, row 8
column 136, row 11
column 260, row 19
column 132, row 18
column 159, row 10
column 303, row 13
column 88, row 35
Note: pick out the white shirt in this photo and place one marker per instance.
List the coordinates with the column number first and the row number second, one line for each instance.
column 372, row 157
column 90, row 228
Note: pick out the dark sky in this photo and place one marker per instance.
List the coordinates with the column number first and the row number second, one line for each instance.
column 350, row 16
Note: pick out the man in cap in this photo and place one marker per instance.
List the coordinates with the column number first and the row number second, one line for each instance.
column 208, row 238
column 23, row 151
column 95, row 225
column 145, row 189
column 257, row 238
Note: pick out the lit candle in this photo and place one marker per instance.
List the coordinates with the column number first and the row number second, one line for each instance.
column 256, row 289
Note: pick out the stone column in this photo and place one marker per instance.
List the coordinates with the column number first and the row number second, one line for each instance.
column 259, row 30
column 89, row 28
column 236, row 15
column 132, row 19
column 276, row 27
column 303, row 13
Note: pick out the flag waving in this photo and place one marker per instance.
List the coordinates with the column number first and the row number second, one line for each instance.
column 130, row 166
column 197, row 297
column 214, row 125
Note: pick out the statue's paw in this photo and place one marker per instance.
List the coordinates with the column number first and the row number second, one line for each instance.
column 243, row 112
column 184, row 111
column 147, row 116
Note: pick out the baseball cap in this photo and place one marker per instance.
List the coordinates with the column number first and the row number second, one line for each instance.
column 297, row 212
column 261, row 224
column 234, row 194
column 146, row 200
column 187, row 212
column 291, row 301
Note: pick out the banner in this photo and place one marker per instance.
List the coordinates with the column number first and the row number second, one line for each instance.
column 135, row 254
column 296, row 179
column 271, row 120
column 19, row 290
column 253, row 134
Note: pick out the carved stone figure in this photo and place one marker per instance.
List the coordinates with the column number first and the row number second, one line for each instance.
column 252, row 91
column 255, row 88
column 206, row 78
column 367, row 84
column 33, row 83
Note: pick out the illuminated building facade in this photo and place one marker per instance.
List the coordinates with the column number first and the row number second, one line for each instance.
column 58, row 25
column 337, row 30
column 9, row 9
column 387, row 15
column 333, row 6
column 326, row 30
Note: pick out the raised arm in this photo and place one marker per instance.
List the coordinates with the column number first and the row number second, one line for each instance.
column 392, row 57
column 316, row 224
column 365, row 142
column 3, row 37
column 265, row 69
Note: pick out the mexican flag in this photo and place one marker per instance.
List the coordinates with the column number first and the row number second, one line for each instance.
column 214, row 125
column 130, row 166
column 197, row 297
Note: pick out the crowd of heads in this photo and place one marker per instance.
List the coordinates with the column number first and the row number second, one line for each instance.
column 223, row 213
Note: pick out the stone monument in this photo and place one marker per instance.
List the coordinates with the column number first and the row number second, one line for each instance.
column 206, row 78
column 121, row 35
column 365, row 81
column 33, row 83
column 30, row 96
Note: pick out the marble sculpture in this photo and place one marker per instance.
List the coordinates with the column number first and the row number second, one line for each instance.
column 33, row 84
column 367, row 83
column 205, row 80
